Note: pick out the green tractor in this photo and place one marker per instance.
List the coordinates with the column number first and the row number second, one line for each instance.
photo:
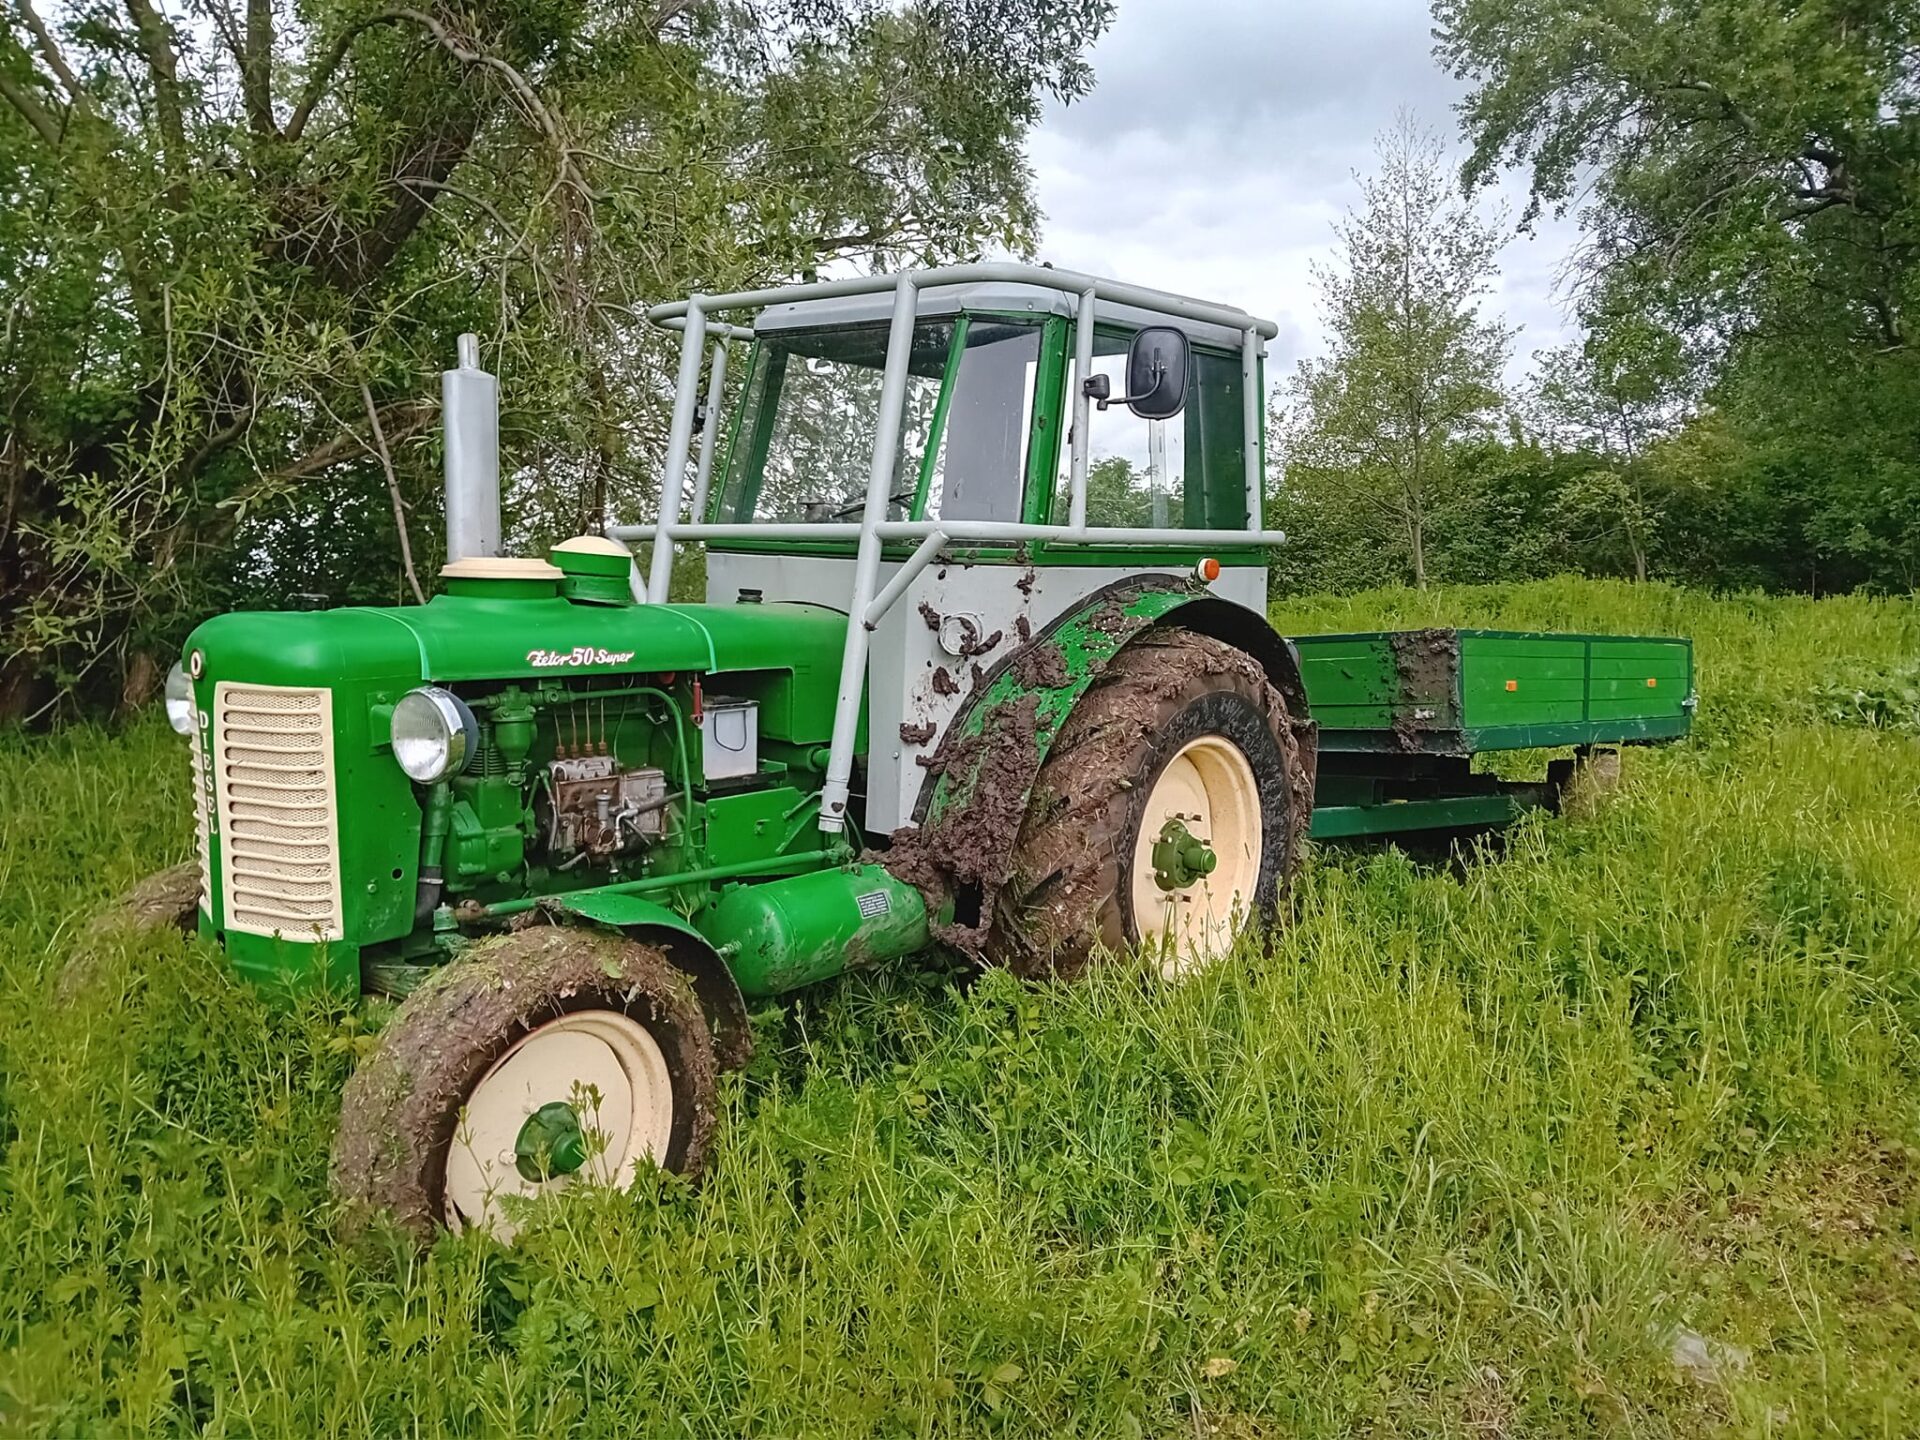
column 984, row 665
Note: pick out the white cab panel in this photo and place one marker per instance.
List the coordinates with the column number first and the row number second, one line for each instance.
column 912, row 660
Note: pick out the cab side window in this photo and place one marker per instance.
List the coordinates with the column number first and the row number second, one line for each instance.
column 1186, row 473
column 978, row 470
column 801, row 448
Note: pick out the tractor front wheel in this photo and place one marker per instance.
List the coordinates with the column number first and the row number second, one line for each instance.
column 1169, row 814
column 541, row 1060
column 166, row 899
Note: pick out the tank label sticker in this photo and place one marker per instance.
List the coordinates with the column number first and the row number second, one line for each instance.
column 576, row 657
column 874, row 903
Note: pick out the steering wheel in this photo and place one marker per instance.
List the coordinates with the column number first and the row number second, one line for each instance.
column 903, row 497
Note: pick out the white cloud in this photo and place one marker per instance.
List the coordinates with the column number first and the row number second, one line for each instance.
column 1219, row 149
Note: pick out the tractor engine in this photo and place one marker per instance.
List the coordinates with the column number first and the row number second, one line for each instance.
column 563, row 779
column 594, row 809
column 588, row 805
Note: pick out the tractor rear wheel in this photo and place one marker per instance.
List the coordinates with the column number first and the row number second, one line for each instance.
column 1170, row 814
column 541, row 1060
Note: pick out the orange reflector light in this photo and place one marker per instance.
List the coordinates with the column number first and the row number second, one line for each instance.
column 1652, row 683
column 1208, row 570
column 1513, row 684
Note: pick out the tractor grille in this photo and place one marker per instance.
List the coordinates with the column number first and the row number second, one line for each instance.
column 273, row 771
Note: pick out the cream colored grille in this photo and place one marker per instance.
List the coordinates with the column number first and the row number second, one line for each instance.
column 273, row 764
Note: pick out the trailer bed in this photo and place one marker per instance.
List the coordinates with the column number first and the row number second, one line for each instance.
column 1462, row 692
column 1403, row 713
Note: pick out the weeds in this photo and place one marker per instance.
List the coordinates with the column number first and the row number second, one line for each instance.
column 1469, row 1150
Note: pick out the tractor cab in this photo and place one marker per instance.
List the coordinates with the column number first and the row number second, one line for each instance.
column 985, row 415
column 968, row 457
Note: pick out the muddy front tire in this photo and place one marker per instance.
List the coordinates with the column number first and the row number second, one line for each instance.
column 540, row 1060
column 1182, row 739
column 166, row 899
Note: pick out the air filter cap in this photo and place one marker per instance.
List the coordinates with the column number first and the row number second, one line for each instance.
column 501, row 577
column 595, row 570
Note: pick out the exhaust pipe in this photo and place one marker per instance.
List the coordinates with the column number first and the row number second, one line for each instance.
column 470, row 413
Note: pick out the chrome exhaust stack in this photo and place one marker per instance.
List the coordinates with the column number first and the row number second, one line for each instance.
column 470, row 415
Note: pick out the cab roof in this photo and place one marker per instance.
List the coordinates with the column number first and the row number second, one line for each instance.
column 988, row 297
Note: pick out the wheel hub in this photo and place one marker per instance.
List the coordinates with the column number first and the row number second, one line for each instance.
column 1180, row 857
column 1196, row 861
column 551, row 1143
column 514, row 1139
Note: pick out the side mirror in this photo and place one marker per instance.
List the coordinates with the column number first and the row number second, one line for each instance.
column 1157, row 373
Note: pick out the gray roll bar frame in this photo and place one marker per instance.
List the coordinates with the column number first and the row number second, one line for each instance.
column 695, row 319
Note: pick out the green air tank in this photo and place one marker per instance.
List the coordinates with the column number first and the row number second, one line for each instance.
column 778, row 935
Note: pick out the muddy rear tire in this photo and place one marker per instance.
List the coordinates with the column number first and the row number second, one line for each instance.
column 1178, row 725
column 432, row 1122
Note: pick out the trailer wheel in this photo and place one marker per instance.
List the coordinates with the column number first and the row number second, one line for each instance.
column 1169, row 814
column 542, row 1060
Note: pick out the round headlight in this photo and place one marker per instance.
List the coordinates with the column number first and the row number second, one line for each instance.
column 433, row 734
column 179, row 700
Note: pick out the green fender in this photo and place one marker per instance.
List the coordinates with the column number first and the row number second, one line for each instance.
column 1003, row 736
column 688, row 950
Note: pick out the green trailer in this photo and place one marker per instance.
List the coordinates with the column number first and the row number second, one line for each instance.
column 943, row 691
column 1402, row 714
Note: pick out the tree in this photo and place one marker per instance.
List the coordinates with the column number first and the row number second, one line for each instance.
column 1412, row 365
column 234, row 253
column 1118, row 494
column 1613, row 397
column 1502, row 521
column 1747, row 173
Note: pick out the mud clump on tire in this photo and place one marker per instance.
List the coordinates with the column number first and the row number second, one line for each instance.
column 1041, row 667
column 968, row 849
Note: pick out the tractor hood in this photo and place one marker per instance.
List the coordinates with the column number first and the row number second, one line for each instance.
column 310, row 831
column 471, row 637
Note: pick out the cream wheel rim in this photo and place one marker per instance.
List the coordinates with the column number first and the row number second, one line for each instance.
column 1209, row 787
column 603, row 1064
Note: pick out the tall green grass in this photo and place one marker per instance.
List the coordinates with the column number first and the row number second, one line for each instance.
column 1467, row 1149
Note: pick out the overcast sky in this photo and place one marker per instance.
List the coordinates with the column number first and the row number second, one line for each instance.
column 1220, row 145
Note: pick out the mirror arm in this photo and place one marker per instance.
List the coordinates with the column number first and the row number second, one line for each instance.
column 1093, row 385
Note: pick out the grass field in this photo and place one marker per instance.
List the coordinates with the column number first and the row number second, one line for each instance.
column 1614, row 1132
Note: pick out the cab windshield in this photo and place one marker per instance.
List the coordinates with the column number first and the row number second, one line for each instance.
column 803, row 440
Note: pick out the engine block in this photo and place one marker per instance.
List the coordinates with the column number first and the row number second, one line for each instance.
column 598, row 809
